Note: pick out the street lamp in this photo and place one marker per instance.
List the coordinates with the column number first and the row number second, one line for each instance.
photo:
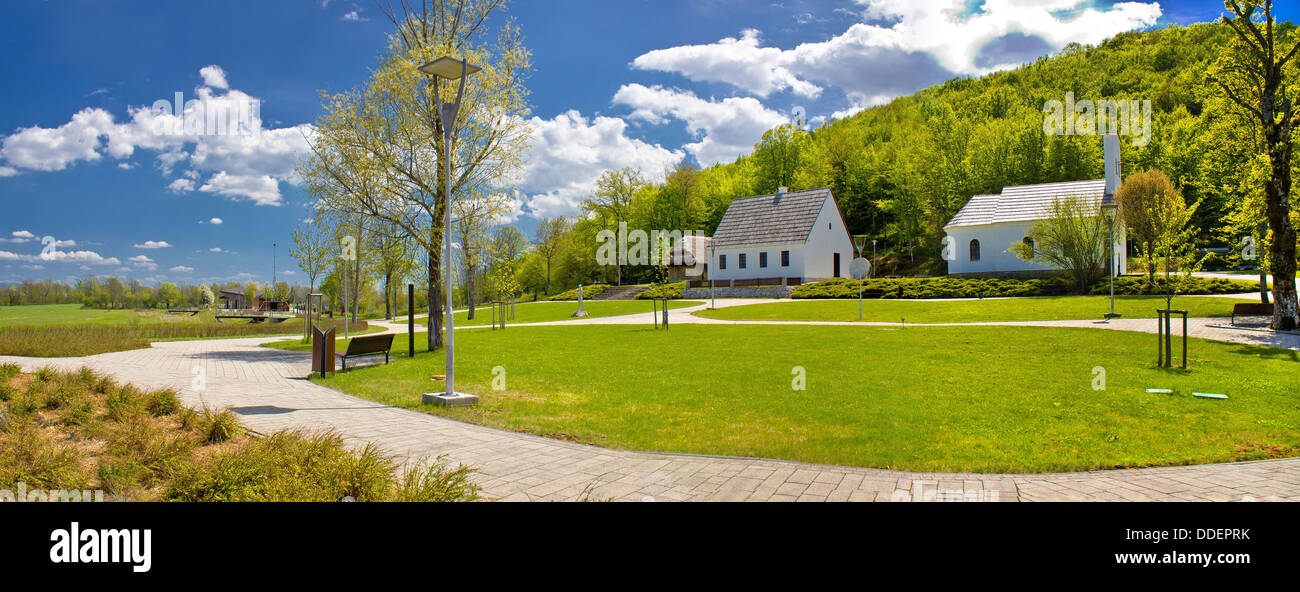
column 1110, row 210
column 449, row 69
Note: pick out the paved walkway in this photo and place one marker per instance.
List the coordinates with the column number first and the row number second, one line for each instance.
column 267, row 389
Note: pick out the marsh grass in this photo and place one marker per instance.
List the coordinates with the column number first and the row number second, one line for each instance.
column 79, row 430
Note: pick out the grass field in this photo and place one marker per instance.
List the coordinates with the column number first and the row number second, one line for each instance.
column 64, row 330
column 985, row 399
column 972, row 311
column 540, row 312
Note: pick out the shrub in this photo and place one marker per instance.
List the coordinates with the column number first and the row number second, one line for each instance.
column 915, row 288
column 1141, row 286
column 163, row 402
column 664, row 291
column 124, row 404
column 216, row 428
column 588, row 292
column 8, row 371
column 32, row 457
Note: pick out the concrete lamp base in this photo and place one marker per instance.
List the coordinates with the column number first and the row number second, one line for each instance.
column 450, row 400
column 581, row 313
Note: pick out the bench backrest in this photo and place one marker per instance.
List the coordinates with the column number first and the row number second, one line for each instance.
column 369, row 345
column 1252, row 308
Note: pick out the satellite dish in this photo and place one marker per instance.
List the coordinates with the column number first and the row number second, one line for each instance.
column 860, row 268
column 800, row 117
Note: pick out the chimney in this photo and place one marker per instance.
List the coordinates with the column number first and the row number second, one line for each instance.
column 780, row 192
column 1110, row 151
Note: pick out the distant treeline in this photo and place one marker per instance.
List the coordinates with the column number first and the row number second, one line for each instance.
column 115, row 293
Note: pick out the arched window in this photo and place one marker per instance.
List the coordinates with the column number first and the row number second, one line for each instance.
column 974, row 250
column 1029, row 243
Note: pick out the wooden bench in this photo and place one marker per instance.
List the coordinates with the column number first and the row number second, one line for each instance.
column 372, row 345
column 1251, row 309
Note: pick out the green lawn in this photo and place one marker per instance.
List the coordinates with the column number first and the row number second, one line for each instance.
column 986, row 399
column 540, row 312
column 65, row 330
column 972, row 311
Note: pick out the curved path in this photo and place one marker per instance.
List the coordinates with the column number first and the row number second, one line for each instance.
column 267, row 389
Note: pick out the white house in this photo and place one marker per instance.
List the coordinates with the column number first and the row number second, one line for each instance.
column 981, row 234
column 797, row 234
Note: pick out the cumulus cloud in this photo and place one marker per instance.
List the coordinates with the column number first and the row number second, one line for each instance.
column 153, row 245
column 920, row 43
column 181, row 269
column 143, row 262
column 214, row 76
column 216, row 221
column 724, row 129
column 219, row 135
column 263, row 190
column 740, row 62
column 19, row 236
column 570, row 152
column 85, row 258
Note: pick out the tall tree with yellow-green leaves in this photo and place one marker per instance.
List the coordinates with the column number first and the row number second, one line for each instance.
column 1257, row 75
column 379, row 148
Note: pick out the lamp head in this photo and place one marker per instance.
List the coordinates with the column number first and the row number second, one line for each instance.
column 449, row 68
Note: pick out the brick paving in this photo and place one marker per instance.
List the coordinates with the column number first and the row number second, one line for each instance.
column 267, row 389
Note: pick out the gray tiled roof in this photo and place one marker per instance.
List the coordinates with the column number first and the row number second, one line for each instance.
column 767, row 220
column 1024, row 203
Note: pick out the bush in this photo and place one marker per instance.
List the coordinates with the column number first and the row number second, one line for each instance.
column 588, row 292
column 664, row 291
column 928, row 288
column 1140, row 286
column 163, row 402
column 216, row 428
column 917, row 288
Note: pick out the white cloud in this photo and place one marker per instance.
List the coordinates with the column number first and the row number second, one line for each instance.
column 740, row 62
column 83, row 257
column 725, row 129
column 181, row 269
column 216, row 221
column 19, row 236
column 571, row 151
column 214, row 76
column 181, row 186
column 218, row 250
column 354, row 16
column 237, row 159
column 262, row 189
column 143, row 262
column 153, row 245
column 924, row 43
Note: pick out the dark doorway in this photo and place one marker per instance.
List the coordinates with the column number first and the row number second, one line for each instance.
column 837, row 266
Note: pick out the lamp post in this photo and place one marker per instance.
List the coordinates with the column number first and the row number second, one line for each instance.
column 449, row 69
column 1110, row 211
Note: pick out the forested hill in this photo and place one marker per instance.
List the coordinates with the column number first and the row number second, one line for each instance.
column 901, row 170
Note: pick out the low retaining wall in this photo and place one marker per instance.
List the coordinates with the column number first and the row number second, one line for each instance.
column 763, row 292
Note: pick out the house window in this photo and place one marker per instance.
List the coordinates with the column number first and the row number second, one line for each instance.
column 742, row 260
column 974, row 250
column 1029, row 244
column 762, row 259
column 785, row 258
column 722, row 261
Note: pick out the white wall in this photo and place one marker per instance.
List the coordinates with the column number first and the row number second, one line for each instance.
column 828, row 236
column 752, row 270
column 995, row 241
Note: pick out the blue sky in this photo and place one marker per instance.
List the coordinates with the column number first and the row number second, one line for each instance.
column 642, row 83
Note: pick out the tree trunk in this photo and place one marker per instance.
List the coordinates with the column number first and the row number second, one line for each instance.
column 435, row 303
column 1277, row 200
column 471, row 295
column 548, row 276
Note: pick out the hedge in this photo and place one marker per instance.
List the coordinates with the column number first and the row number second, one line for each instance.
column 918, row 288
column 587, row 292
column 664, row 291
